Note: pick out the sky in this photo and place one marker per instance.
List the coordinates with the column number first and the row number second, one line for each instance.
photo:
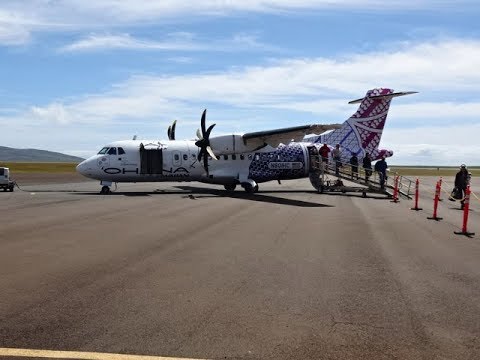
column 78, row 74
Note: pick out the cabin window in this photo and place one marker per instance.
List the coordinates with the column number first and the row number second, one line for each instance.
column 234, row 157
column 242, row 157
column 185, row 157
column 176, row 157
column 225, row 157
column 103, row 151
column 121, row 151
column 112, row 151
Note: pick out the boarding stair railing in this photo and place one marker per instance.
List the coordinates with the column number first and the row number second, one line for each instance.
column 325, row 171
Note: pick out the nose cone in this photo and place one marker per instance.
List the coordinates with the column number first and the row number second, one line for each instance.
column 86, row 169
column 81, row 167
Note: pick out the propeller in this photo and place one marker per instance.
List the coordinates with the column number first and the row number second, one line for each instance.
column 171, row 131
column 203, row 142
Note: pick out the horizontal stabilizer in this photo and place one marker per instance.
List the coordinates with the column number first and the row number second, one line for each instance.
column 401, row 93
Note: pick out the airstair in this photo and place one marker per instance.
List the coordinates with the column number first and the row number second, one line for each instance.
column 325, row 178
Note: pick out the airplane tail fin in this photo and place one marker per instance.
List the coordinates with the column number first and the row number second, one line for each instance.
column 361, row 132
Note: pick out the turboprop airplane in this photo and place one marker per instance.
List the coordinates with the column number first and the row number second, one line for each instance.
column 241, row 159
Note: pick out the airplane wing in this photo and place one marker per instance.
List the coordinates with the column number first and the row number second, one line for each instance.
column 275, row 137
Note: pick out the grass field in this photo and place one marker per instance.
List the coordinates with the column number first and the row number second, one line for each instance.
column 27, row 167
column 430, row 171
column 38, row 167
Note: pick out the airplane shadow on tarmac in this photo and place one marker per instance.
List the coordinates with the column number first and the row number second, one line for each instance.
column 196, row 193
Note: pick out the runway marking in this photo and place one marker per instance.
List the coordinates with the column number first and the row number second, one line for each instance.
column 57, row 354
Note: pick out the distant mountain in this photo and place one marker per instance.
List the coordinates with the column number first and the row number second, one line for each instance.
column 35, row 155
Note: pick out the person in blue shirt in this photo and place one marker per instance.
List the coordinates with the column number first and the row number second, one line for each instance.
column 381, row 167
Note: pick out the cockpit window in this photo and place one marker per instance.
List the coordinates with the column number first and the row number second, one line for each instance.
column 112, row 151
column 121, row 151
column 103, row 151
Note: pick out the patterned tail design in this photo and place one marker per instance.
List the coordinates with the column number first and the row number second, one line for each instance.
column 361, row 133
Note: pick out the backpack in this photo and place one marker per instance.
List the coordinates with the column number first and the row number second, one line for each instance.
column 456, row 194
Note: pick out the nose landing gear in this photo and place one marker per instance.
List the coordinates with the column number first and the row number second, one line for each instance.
column 105, row 187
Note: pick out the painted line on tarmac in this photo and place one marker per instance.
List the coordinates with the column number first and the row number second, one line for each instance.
column 56, row 354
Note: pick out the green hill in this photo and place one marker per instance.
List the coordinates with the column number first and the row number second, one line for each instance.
column 35, row 155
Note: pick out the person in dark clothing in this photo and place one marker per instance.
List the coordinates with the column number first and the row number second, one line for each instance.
column 461, row 182
column 354, row 164
column 367, row 166
column 381, row 167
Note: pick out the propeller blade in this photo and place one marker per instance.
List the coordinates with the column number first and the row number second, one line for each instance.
column 203, row 142
column 169, row 132
column 202, row 122
column 209, row 130
column 172, row 133
column 205, row 161
column 210, row 151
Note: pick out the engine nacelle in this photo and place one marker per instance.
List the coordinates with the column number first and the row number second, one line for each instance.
column 229, row 144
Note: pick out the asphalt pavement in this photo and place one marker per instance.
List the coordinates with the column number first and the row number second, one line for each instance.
column 187, row 270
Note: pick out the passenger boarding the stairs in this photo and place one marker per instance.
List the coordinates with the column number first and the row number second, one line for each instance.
column 367, row 166
column 354, row 164
column 381, row 167
column 337, row 157
column 324, row 151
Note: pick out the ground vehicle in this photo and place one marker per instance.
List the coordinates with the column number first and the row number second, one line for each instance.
column 5, row 182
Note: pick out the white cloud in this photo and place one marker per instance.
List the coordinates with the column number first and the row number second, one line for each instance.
column 127, row 11
column 19, row 19
column 319, row 86
column 14, row 28
column 126, row 41
column 447, row 145
column 175, row 42
column 55, row 113
column 297, row 91
column 299, row 83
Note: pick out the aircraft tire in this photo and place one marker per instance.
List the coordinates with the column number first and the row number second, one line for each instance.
column 105, row 190
column 230, row 187
column 248, row 188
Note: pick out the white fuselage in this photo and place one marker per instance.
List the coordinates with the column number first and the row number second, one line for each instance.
column 177, row 160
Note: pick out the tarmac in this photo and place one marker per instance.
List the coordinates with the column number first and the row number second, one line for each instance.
column 186, row 270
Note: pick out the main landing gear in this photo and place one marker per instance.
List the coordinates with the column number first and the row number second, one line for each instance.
column 230, row 187
column 248, row 187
